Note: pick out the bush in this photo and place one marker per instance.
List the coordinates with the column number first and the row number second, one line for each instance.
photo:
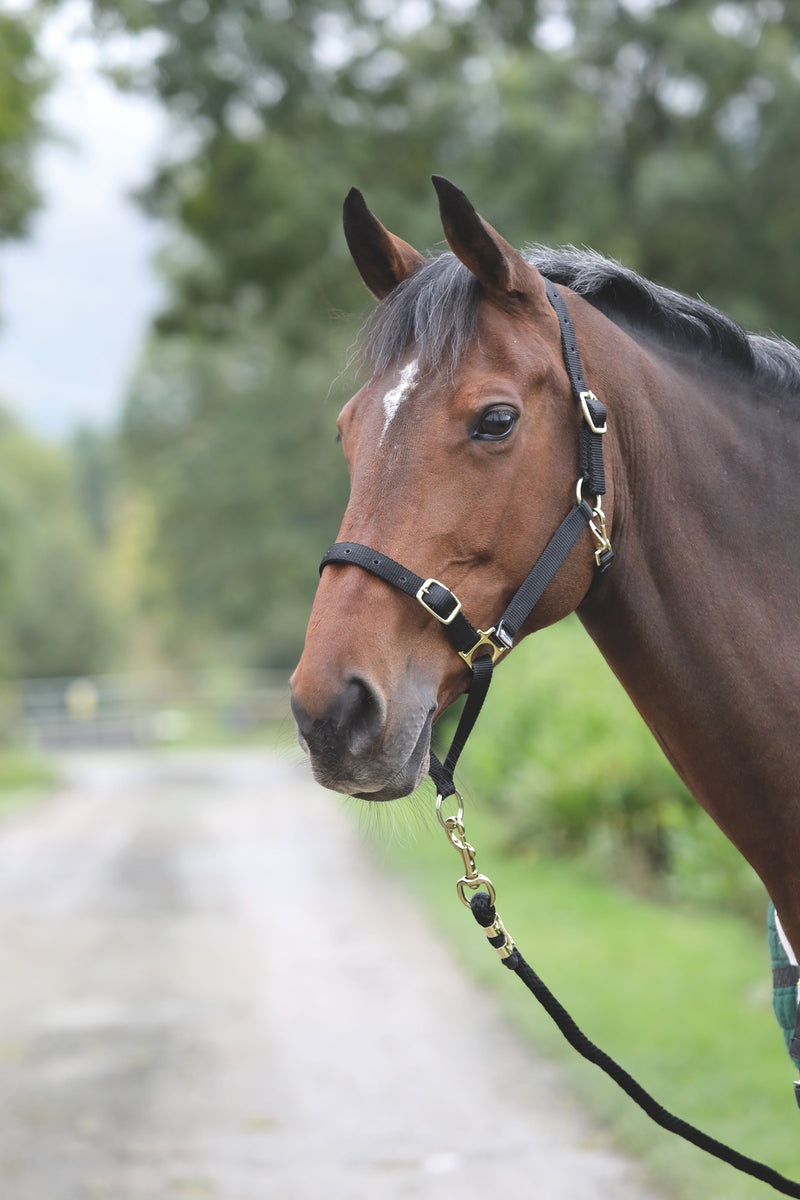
column 570, row 769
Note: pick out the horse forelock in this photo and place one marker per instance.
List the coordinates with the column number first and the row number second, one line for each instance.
column 436, row 308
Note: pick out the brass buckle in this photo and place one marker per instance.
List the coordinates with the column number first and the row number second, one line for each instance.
column 587, row 416
column 422, row 593
column 484, row 639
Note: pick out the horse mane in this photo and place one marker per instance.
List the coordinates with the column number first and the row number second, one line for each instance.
column 436, row 309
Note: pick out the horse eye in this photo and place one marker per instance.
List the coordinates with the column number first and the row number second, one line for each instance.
column 496, row 423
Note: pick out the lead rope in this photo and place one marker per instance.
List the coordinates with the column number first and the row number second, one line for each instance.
column 482, row 906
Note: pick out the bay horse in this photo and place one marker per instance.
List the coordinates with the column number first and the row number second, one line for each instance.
column 462, row 455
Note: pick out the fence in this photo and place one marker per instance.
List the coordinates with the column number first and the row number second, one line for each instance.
column 130, row 710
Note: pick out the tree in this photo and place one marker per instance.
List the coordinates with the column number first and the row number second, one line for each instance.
column 55, row 618
column 662, row 132
column 23, row 81
column 247, row 497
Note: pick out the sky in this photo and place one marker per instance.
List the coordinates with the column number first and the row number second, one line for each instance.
column 76, row 296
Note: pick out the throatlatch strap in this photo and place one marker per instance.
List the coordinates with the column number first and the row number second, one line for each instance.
column 594, row 412
column 542, row 573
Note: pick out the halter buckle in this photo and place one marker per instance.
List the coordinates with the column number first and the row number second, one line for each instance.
column 590, row 402
column 423, row 592
column 486, row 639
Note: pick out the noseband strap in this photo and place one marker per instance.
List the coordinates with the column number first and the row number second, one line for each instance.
column 480, row 650
column 437, row 599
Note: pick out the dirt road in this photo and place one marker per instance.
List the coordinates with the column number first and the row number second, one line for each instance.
column 190, row 1009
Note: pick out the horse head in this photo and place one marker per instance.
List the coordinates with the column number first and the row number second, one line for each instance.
column 462, row 454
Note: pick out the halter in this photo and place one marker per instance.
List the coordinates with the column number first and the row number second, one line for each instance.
column 480, row 649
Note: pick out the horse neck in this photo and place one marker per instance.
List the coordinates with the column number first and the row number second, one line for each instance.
column 699, row 613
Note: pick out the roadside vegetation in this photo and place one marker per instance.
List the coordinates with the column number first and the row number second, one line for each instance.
column 568, row 769
column 679, row 996
column 24, row 775
column 628, row 902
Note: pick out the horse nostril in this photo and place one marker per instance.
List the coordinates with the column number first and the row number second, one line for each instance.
column 358, row 715
column 351, row 723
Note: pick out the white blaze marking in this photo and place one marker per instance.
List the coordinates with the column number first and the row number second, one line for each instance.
column 396, row 395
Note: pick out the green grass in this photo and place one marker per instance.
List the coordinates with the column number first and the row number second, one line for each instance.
column 631, row 905
column 22, row 775
column 679, row 997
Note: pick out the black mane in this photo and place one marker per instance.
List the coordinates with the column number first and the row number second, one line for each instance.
column 436, row 308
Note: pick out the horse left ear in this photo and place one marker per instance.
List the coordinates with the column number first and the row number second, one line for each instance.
column 502, row 270
column 383, row 260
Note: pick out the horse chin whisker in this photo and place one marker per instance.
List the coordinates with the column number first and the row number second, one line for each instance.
column 399, row 822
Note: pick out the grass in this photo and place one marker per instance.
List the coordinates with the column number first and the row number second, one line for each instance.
column 22, row 775
column 679, row 997
column 629, row 903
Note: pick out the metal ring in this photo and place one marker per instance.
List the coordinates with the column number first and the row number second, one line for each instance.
column 579, row 495
column 443, row 820
column 475, row 882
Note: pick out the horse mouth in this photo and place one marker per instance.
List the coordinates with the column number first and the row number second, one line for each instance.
column 374, row 777
column 409, row 776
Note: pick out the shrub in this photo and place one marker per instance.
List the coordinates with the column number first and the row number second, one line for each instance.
column 569, row 768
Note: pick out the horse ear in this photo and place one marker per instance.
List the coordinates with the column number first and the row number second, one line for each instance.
column 502, row 270
column 383, row 260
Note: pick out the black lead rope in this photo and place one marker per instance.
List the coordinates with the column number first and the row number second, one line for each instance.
column 484, row 913
column 480, row 650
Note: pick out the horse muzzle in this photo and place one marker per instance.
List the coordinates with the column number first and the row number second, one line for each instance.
column 353, row 745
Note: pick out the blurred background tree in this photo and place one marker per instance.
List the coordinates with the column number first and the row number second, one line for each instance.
column 53, row 615
column 23, row 81
column 56, row 617
column 662, row 133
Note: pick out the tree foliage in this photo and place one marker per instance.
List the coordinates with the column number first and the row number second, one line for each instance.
column 244, row 493
column 662, row 132
column 55, row 619
column 22, row 83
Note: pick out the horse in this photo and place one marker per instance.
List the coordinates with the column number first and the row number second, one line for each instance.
column 461, row 448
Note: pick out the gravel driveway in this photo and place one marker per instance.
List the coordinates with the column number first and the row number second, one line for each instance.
column 189, row 1008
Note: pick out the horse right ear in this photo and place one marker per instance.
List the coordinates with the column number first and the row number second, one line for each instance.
column 383, row 260
column 503, row 271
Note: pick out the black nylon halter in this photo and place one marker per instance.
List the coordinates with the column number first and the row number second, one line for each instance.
column 480, row 650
